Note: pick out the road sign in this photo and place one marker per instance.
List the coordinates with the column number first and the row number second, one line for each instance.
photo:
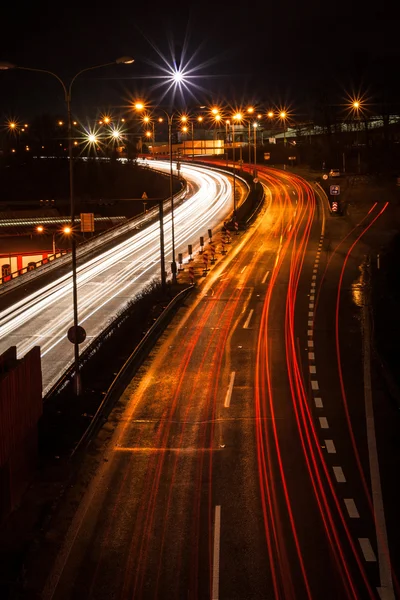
column 334, row 206
column 292, row 158
column 76, row 335
column 255, row 180
column 144, row 196
column 325, row 176
column 267, row 155
column 87, row 221
column 334, row 190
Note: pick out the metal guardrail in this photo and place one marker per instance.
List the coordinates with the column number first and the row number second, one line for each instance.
column 85, row 248
column 128, row 370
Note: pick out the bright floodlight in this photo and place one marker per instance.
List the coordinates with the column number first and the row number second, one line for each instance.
column 238, row 116
column 139, row 105
column 116, row 134
column 282, row 114
column 12, row 125
column 177, row 76
column 270, row 114
column 40, row 228
column 92, row 138
column 67, row 230
column 356, row 104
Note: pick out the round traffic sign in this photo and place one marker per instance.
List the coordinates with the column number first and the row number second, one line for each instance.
column 255, row 180
column 76, row 335
column 324, row 176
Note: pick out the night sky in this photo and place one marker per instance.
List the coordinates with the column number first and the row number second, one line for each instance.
column 283, row 54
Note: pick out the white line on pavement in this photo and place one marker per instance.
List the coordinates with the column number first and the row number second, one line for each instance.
column 314, row 385
column 385, row 574
column 230, row 389
column 330, row 447
column 338, row 472
column 366, row 548
column 313, row 369
column 217, row 536
column 245, row 326
column 265, row 277
column 318, row 402
column 323, row 422
column 351, row 508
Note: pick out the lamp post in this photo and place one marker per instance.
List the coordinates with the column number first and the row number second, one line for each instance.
column 255, row 125
column 237, row 117
column 283, row 116
column 250, row 111
column 76, row 334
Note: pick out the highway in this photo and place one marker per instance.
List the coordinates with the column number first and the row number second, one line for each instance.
column 108, row 281
column 244, row 460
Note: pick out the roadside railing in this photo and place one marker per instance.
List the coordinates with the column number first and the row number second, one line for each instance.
column 85, row 248
column 129, row 369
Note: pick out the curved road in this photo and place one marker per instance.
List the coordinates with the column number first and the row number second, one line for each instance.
column 108, row 281
column 242, row 465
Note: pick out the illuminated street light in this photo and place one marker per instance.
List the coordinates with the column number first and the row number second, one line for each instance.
column 76, row 334
column 60, row 123
column 270, row 114
column 283, row 117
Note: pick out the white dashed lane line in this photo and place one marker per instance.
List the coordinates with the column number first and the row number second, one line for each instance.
column 323, row 423
column 330, row 447
column 366, row 548
column 338, row 472
column 351, row 508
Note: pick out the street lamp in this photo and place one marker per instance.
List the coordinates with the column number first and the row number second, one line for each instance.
column 255, row 125
column 283, row 117
column 236, row 117
column 66, row 230
column 76, row 334
column 250, row 111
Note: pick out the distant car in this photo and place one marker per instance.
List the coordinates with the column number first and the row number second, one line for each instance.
column 334, row 173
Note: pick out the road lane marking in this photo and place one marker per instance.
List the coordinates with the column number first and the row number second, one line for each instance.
column 323, row 422
column 245, row 326
column 311, row 313
column 366, row 548
column 311, row 305
column 217, row 536
column 312, row 297
column 311, row 355
column 314, row 277
column 310, row 324
column 318, row 402
column 230, row 390
column 338, row 471
column 313, row 284
column 351, row 508
column 310, row 343
column 313, row 369
column 330, row 447
column 385, row 574
column 315, row 270
column 314, row 385
column 244, row 268
column 265, row 277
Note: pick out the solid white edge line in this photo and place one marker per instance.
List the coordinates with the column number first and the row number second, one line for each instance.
column 217, row 537
column 245, row 326
column 230, row 389
column 385, row 574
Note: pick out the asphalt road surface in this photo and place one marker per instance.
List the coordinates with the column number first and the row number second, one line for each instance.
column 109, row 280
column 245, row 464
